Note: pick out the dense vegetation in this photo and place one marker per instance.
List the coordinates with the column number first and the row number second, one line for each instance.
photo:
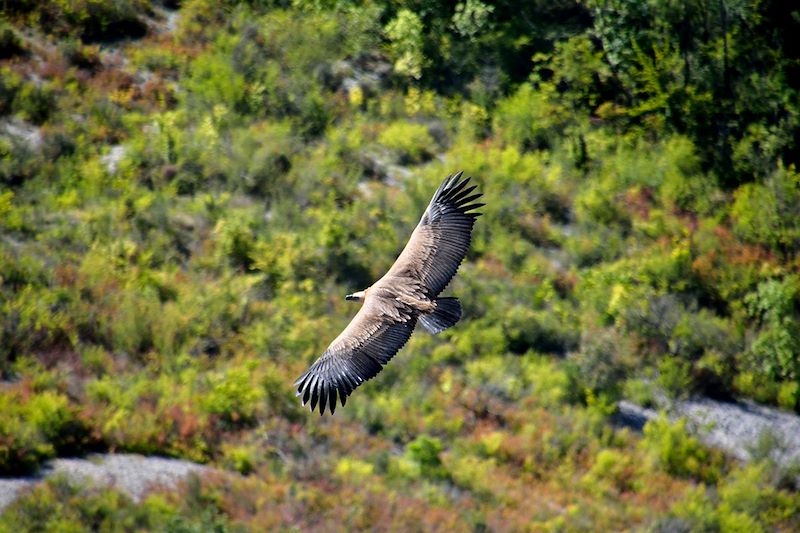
column 186, row 197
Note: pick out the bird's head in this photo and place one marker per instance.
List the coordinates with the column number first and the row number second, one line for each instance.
column 356, row 296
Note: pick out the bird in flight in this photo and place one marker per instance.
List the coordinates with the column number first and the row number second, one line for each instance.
column 408, row 293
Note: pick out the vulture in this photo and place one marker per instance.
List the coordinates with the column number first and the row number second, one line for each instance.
column 408, row 293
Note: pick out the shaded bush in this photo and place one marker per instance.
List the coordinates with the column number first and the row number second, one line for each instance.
column 10, row 43
column 600, row 361
column 34, row 103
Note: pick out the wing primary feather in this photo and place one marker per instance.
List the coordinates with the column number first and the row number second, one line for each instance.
column 453, row 178
column 361, row 369
column 351, row 375
column 314, row 398
column 347, row 386
column 441, row 188
column 472, row 206
column 457, row 176
column 357, row 379
column 459, row 198
column 311, row 384
column 454, row 190
column 468, row 199
column 300, row 384
column 341, row 382
column 323, row 398
column 332, row 399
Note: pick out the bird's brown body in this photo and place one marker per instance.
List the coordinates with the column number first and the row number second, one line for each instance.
column 393, row 305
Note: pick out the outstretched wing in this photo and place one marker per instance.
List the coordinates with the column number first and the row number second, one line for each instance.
column 441, row 239
column 356, row 355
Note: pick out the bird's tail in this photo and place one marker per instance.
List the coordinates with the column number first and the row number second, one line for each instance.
column 447, row 313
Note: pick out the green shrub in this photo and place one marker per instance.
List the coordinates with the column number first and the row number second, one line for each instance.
column 674, row 377
column 233, row 395
column 776, row 349
column 241, row 458
column 10, row 84
column 600, row 361
column 639, row 391
column 769, row 212
column 214, row 82
column 425, row 452
column 406, row 47
column 696, row 511
column 80, row 55
column 613, row 467
column 540, row 331
column 669, row 446
column 684, row 187
column 98, row 20
column 473, row 473
column 529, row 118
column 492, row 374
column 10, row 43
column 236, row 242
column 132, row 323
column 596, row 206
column 34, row 427
column 696, row 333
column 34, row 103
column 756, row 152
column 750, row 502
column 410, row 141
column 10, row 218
column 41, row 320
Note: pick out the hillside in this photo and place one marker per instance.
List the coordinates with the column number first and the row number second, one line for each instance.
column 189, row 189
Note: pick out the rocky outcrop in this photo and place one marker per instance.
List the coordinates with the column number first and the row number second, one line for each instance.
column 744, row 430
column 132, row 474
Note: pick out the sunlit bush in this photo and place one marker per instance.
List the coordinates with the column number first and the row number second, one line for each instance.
column 768, row 212
column 34, row 427
column 529, row 118
column 669, row 446
column 613, row 467
column 233, row 395
column 410, row 141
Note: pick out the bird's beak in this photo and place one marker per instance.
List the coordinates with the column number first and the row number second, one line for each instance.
column 356, row 296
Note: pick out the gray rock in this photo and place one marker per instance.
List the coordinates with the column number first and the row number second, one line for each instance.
column 27, row 133
column 740, row 429
column 132, row 474
column 113, row 157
